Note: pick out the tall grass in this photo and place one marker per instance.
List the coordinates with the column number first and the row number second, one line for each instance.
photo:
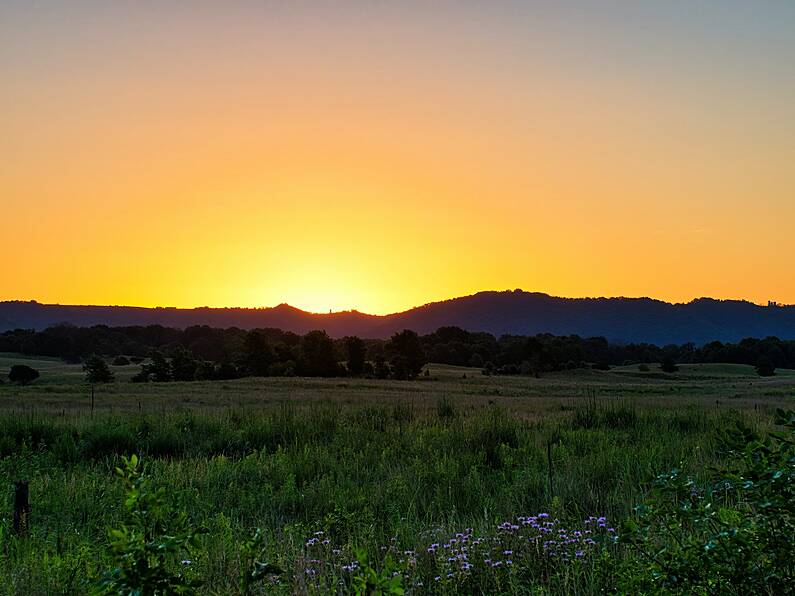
column 364, row 474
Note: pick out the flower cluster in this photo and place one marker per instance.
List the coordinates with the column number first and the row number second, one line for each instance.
column 538, row 541
column 535, row 542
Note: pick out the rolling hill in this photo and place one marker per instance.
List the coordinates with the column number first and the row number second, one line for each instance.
column 517, row 312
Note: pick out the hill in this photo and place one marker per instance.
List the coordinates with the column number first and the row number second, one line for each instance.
column 517, row 312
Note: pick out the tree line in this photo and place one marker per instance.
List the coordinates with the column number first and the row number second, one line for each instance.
column 203, row 352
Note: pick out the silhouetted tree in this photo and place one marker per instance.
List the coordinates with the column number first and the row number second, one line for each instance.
column 381, row 370
column 765, row 367
column 205, row 371
column 317, row 355
column 158, row 370
column 257, row 354
column 227, row 371
column 183, row 366
column 97, row 370
column 668, row 365
column 408, row 357
column 356, row 352
column 22, row 374
column 476, row 360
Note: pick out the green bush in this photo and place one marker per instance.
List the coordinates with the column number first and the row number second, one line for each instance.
column 733, row 534
column 151, row 548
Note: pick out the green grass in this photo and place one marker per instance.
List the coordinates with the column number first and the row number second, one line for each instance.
column 364, row 461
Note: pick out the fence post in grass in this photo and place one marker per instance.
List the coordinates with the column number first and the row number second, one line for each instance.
column 21, row 507
column 549, row 465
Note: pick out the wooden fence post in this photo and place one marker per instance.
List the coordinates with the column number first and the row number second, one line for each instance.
column 21, row 507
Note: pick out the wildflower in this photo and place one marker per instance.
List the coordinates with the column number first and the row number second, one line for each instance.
column 186, row 562
column 579, row 554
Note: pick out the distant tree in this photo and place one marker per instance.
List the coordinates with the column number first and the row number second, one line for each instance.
column 158, row 370
column 205, row 371
column 317, row 355
column 381, row 370
column 407, row 355
column 121, row 361
column 97, row 370
column 257, row 354
column 668, row 365
column 356, row 351
column 22, row 374
column 476, row 360
column 765, row 367
column 183, row 366
column 227, row 371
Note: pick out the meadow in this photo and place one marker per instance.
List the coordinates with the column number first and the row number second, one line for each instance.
column 450, row 483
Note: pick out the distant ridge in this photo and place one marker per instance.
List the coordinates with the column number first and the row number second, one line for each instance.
column 514, row 312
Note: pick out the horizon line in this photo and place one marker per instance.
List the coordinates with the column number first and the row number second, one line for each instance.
column 354, row 310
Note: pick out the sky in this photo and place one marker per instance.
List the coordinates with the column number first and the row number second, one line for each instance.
column 381, row 155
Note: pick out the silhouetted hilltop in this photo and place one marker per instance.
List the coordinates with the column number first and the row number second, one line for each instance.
column 510, row 312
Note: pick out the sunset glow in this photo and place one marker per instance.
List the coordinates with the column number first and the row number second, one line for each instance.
column 377, row 156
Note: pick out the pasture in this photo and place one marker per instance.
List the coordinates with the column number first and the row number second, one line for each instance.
column 386, row 472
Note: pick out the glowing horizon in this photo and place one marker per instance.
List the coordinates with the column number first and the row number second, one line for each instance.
column 345, row 155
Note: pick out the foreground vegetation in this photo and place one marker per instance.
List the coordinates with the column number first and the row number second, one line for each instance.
column 447, row 484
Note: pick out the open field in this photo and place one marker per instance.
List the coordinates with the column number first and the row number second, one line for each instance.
column 62, row 388
column 387, row 466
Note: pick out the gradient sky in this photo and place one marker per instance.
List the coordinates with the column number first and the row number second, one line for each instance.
column 380, row 155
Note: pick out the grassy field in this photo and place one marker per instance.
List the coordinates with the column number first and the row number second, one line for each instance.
column 389, row 467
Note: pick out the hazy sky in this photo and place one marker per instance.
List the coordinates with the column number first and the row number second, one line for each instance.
column 379, row 155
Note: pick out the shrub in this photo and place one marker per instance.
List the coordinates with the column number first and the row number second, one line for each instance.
column 476, row 360
column 734, row 534
column 97, row 370
column 765, row 367
column 643, row 367
column 668, row 365
column 22, row 374
column 151, row 549
column 408, row 357
column 253, row 567
column 121, row 361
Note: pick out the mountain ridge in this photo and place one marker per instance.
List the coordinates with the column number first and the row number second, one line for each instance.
column 517, row 312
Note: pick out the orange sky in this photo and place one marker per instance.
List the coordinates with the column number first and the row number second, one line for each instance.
column 346, row 155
